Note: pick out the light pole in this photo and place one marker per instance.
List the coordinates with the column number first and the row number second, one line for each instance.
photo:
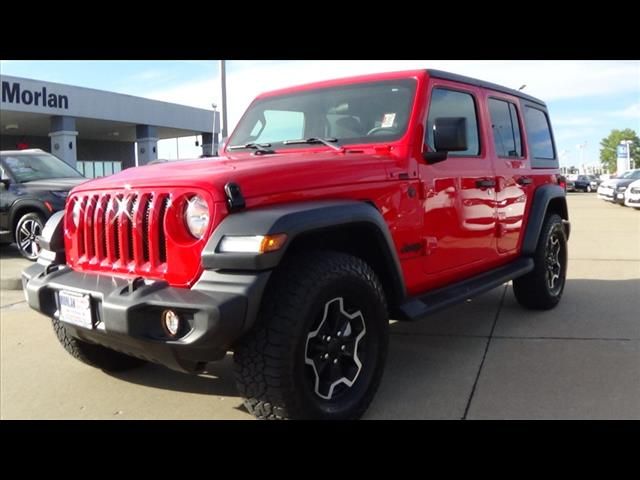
column 223, row 81
column 582, row 147
column 214, row 146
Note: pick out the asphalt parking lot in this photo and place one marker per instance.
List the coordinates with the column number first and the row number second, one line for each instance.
column 484, row 359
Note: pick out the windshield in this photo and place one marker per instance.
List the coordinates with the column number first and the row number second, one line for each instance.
column 37, row 166
column 634, row 174
column 362, row 113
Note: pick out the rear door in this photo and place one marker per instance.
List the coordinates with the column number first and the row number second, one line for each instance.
column 514, row 184
column 459, row 206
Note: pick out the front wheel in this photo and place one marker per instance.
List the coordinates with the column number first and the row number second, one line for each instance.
column 320, row 344
column 28, row 229
column 542, row 288
column 94, row 355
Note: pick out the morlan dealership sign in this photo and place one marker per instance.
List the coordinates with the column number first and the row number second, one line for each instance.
column 14, row 92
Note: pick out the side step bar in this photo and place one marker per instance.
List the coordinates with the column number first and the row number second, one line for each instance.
column 417, row 308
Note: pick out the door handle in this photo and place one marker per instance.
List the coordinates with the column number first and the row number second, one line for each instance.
column 485, row 183
column 524, row 181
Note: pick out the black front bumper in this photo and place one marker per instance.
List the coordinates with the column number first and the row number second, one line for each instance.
column 127, row 314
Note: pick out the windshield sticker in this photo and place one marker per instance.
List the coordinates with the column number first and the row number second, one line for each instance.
column 388, row 119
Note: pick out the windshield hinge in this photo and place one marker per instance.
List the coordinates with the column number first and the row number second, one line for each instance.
column 235, row 199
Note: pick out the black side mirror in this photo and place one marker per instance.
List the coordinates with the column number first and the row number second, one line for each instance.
column 449, row 135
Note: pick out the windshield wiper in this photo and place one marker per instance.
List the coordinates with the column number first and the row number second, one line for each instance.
column 325, row 141
column 261, row 148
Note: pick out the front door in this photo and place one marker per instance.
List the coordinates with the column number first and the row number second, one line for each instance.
column 6, row 197
column 459, row 205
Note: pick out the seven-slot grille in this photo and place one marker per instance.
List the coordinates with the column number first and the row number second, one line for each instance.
column 122, row 230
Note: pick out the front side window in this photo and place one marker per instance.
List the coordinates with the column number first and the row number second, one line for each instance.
column 30, row 167
column 506, row 129
column 539, row 133
column 451, row 103
column 360, row 113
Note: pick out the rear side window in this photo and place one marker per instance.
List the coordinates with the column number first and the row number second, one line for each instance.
column 539, row 133
column 450, row 103
column 506, row 129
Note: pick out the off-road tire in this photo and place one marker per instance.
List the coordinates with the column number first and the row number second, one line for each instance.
column 532, row 290
column 270, row 360
column 95, row 355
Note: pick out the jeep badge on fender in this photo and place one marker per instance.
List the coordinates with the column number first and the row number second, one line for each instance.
column 333, row 207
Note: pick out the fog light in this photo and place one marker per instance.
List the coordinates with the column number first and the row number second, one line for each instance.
column 171, row 322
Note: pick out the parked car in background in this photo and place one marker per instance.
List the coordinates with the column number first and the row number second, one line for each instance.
column 596, row 181
column 632, row 195
column 35, row 185
column 613, row 190
column 581, row 183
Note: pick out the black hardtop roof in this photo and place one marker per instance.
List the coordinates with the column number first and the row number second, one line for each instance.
column 454, row 77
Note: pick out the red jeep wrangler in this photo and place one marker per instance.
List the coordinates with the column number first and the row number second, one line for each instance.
column 333, row 207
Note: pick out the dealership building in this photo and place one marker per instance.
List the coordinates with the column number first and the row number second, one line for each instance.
column 95, row 131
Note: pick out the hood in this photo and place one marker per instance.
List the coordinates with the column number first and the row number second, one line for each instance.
column 256, row 175
column 618, row 182
column 57, row 184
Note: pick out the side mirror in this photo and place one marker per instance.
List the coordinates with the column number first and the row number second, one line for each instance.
column 449, row 135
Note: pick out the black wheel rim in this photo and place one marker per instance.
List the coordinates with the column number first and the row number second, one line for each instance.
column 27, row 236
column 335, row 350
column 554, row 263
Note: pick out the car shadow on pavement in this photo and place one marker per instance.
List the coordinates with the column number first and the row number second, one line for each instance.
column 217, row 379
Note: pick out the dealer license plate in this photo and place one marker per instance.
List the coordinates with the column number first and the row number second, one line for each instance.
column 75, row 308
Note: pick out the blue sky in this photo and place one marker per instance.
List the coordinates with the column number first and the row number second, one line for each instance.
column 586, row 99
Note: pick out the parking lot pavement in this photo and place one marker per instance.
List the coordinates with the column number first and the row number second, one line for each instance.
column 11, row 265
column 487, row 358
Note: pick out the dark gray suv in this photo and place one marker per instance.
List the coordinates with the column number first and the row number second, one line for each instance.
column 34, row 185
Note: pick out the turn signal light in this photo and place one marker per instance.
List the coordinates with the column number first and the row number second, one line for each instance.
column 271, row 243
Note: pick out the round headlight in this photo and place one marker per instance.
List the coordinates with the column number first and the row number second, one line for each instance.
column 196, row 216
column 75, row 214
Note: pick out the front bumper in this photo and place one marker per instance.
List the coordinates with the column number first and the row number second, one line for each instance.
column 632, row 200
column 606, row 194
column 127, row 314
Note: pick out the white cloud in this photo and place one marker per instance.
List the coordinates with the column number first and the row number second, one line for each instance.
column 549, row 80
column 574, row 122
column 632, row 111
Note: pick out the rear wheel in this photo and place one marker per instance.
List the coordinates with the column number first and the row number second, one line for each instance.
column 319, row 349
column 542, row 288
column 94, row 355
column 27, row 231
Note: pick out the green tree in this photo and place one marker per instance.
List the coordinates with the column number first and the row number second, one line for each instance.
column 609, row 144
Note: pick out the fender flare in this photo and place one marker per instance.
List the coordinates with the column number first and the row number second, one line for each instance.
column 539, row 207
column 26, row 204
column 296, row 219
